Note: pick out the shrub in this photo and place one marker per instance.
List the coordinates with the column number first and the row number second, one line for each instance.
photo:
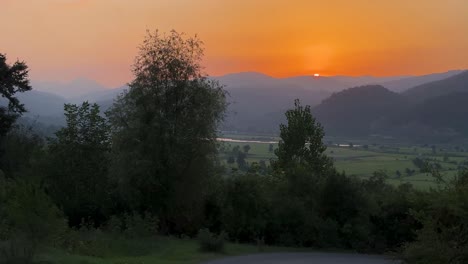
column 210, row 242
column 16, row 250
column 133, row 225
column 28, row 219
column 140, row 225
column 94, row 242
column 443, row 236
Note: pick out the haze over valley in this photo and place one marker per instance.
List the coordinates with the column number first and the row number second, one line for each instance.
column 406, row 107
column 233, row 132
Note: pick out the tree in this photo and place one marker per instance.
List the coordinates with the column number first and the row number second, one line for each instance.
column 434, row 149
column 231, row 160
column 246, row 148
column 78, row 164
column 240, row 159
column 409, row 172
column 235, row 149
column 446, row 157
column 21, row 148
column 301, row 142
column 270, row 148
column 164, row 131
column 28, row 220
column 398, row 174
column 13, row 79
column 443, row 236
column 420, row 164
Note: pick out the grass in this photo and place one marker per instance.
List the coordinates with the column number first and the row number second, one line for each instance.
column 158, row 250
column 362, row 162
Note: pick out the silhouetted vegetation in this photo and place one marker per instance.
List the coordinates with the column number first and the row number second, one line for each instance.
column 150, row 166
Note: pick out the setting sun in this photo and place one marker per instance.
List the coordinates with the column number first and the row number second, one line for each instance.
column 316, row 74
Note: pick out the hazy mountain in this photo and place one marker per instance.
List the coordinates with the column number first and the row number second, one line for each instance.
column 401, row 85
column 41, row 103
column 456, row 83
column 75, row 88
column 41, row 107
column 354, row 81
column 258, row 101
column 354, row 111
column 394, row 83
column 429, row 111
column 99, row 96
column 443, row 114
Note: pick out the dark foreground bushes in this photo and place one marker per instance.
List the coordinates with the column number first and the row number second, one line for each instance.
column 211, row 242
column 443, row 237
column 303, row 210
column 155, row 151
column 28, row 219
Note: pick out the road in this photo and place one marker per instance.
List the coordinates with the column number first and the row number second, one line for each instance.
column 305, row 258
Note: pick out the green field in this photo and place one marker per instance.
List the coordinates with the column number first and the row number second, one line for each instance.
column 152, row 251
column 363, row 162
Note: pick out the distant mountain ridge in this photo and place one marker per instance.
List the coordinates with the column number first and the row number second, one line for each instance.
column 74, row 88
column 431, row 110
column 455, row 83
column 258, row 101
column 352, row 112
column 403, row 84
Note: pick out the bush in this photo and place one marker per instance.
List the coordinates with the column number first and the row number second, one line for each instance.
column 443, row 237
column 133, row 225
column 16, row 250
column 144, row 225
column 210, row 242
column 28, row 218
column 94, row 242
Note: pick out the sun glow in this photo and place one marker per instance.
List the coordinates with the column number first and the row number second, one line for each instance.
column 316, row 74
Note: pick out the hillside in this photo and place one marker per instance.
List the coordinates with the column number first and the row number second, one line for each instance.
column 74, row 88
column 353, row 111
column 453, row 84
column 258, row 101
column 429, row 111
column 404, row 84
column 436, row 118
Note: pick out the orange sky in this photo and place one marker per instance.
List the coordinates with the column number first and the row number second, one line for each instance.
column 97, row 39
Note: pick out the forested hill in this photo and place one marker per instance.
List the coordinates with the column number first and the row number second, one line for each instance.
column 432, row 110
column 420, row 93
column 258, row 101
column 353, row 111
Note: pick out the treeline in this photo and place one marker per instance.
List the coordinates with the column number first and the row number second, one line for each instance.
column 150, row 165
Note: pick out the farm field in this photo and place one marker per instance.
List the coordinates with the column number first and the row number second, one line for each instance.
column 363, row 161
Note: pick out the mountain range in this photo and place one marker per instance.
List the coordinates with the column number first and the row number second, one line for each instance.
column 392, row 106
column 433, row 110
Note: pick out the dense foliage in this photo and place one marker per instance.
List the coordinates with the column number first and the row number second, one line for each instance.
column 151, row 166
column 164, row 132
column 13, row 79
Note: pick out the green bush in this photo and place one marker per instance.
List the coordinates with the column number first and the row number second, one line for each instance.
column 210, row 242
column 94, row 242
column 127, row 235
column 28, row 219
column 16, row 250
column 140, row 225
column 443, row 238
column 133, row 225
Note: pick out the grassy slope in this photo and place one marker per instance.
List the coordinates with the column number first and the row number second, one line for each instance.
column 156, row 251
